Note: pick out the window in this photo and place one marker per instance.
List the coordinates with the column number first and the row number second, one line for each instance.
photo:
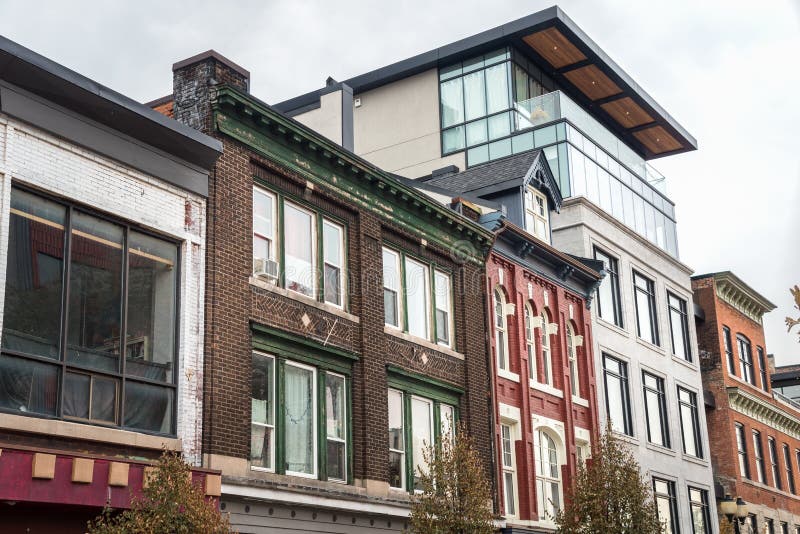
column 294, row 388
column 698, row 502
column 609, row 303
column 770, row 525
column 415, row 422
column 787, row 465
column 773, row 460
column 417, row 298
column 679, row 327
column 645, row 299
column 741, row 446
column 726, row 336
column 537, row 214
column 784, row 527
column 530, row 337
column 618, row 407
column 745, row 359
column 500, row 330
column 574, row 368
column 548, row 476
column 690, row 424
column 302, row 231
column 655, row 409
column 547, row 361
column 509, row 475
column 111, row 290
column 762, row 369
column 666, row 505
column 758, row 452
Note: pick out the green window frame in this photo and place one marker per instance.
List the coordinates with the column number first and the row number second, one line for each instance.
column 443, row 400
column 328, row 366
column 329, row 264
column 440, row 323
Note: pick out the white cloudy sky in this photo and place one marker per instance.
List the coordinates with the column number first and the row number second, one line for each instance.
column 727, row 70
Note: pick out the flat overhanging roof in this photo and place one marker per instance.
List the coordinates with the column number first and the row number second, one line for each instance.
column 565, row 53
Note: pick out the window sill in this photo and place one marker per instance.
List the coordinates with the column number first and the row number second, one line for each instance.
column 324, row 306
column 650, row 346
column 392, row 331
column 508, row 375
column 625, row 437
column 612, row 326
column 580, row 401
column 546, row 388
column 769, row 488
column 685, row 362
column 660, row 448
column 694, row 459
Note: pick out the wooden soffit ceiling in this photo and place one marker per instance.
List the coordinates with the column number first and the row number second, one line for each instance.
column 592, row 82
column 627, row 112
column 554, row 47
column 657, row 140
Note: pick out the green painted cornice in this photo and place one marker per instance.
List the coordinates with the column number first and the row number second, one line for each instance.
column 327, row 165
column 768, row 412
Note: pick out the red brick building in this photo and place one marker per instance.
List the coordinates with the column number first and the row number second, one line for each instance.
column 754, row 432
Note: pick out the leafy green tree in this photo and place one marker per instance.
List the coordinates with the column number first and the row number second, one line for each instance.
column 791, row 323
column 456, row 496
column 170, row 504
column 609, row 495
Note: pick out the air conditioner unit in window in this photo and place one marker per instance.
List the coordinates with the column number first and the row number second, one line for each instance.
column 265, row 269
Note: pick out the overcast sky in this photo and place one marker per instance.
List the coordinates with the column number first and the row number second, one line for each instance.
column 728, row 71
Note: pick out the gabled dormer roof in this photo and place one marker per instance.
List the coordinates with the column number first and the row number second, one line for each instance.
column 521, row 170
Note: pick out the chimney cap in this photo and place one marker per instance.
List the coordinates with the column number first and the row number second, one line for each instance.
column 211, row 54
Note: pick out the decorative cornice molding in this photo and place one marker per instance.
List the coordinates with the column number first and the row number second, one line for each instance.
column 731, row 289
column 763, row 411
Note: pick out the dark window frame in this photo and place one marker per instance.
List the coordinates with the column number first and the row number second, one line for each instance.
column 774, row 461
column 762, row 368
column 728, row 345
column 691, row 404
column 704, row 509
column 622, row 376
column 649, row 293
column 681, row 311
column 745, row 359
column 758, row 457
column 674, row 526
column 741, row 448
column 71, row 207
column 787, row 465
column 612, row 271
column 661, row 397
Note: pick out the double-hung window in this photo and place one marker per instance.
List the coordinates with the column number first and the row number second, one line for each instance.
column 90, row 318
column 500, row 330
column 509, row 474
column 548, row 476
column 547, row 359
column 758, row 454
column 726, row 337
column 609, row 303
column 762, row 369
column 299, row 419
column 618, row 405
column 745, row 359
column 741, row 448
column 646, row 316
column 537, row 214
column 698, row 504
column 666, row 505
column 655, row 405
column 787, row 465
column 298, row 247
column 679, row 327
column 530, row 342
column 773, row 461
column 574, row 368
column 419, row 416
column 690, row 423
column 417, row 297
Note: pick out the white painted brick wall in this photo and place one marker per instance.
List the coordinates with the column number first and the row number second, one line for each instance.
column 32, row 156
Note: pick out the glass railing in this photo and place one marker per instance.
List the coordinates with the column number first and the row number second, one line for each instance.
column 556, row 105
column 786, row 400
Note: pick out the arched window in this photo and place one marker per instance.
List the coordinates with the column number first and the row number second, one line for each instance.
column 500, row 330
column 530, row 343
column 572, row 352
column 547, row 363
column 548, row 477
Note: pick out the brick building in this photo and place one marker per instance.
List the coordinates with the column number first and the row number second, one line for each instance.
column 338, row 302
column 544, row 387
column 102, row 246
column 754, row 432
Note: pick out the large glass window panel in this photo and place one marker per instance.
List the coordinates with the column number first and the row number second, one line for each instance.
column 453, row 139
column 497, row 90
column 638, row 211
column 544, row 136
column 422, row 434
column 650, row 222
column 93, row 398
column 333, row 257
column 644, row 297
column 604, row 186
column 548, row 477
column 627, row 206
column 417, row 297
column 95, row 293
column 679, row 327
column 520, row 84
column 522, row 142
column 392, row 304
column 609, row 303
column 500, row 149
column 299, row 239
column 672, row 238
column 452, row 95
column 698, row 501
column 690, row 425
column 617, row 209
column 152, row 295
column 149, row 407
column 299, row 419
column 474, row 95
column 655, row 409
column 28, row 386
column 577, row 166
column 263, row 224
column 262, row 400
column 34, row 276
column 443, row 306
column 499, row 126
column 476, row 133
column 397, row 444
column 666, row 505
column 615, row 374
column 477, row 155
column 335, row 423
column 592, row 188
column 741, row 446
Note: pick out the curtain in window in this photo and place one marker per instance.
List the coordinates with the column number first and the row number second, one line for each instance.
column 299, row 252
column 299, row 411
column 28, row 386
column 474, row 95
column 497, row 88
column 452, row 102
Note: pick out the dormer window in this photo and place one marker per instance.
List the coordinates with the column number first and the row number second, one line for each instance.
column 537, row 215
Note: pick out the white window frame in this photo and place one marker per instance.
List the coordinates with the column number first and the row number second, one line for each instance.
column 448, row 309
column 547, row 355
column 530, row 342
column 547, row 479
column 572, row 353
column 313, row 240
column 397, row 289
column 402, row 452
column 509, row 468
column 314, row 426
column 426, row 294
column 343, row 261
column 534, row 215
column 344, row 423
column 271, row 240
column 430, row 404
column 500, row 322
column 272, row 426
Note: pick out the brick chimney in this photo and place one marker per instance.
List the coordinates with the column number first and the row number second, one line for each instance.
column 192, row 80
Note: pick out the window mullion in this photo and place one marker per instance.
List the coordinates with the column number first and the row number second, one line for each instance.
column 279, row 237
column 319, row 273
column 409, row 439
column 403, row 286
column 322, row 430
column 432, row 304
column 280, row 413
column 65, row 307
column 124, row 323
